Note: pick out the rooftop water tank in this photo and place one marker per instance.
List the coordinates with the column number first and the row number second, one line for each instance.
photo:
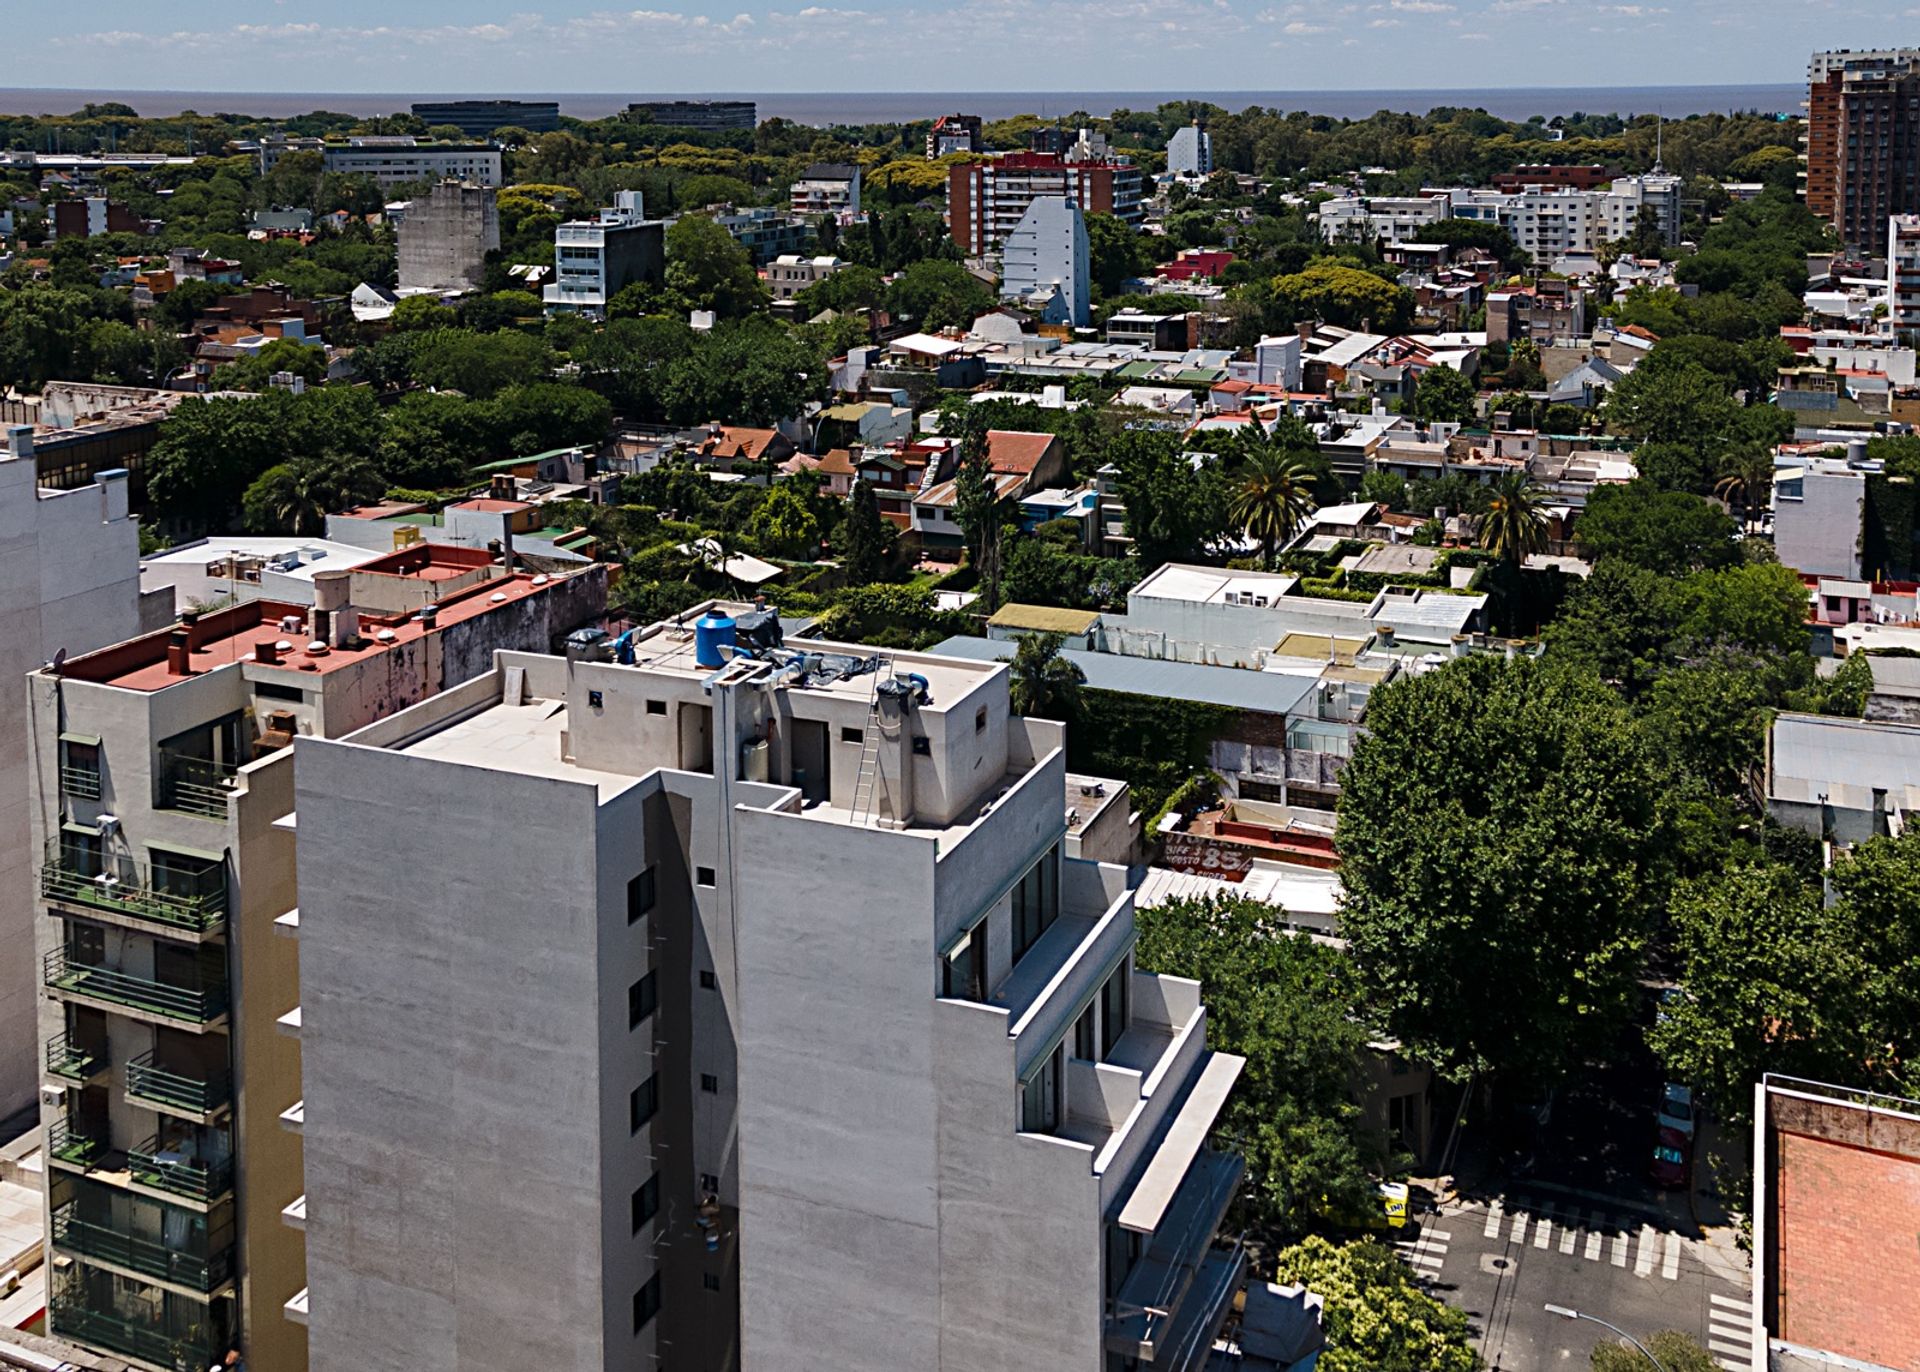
column 712, row 633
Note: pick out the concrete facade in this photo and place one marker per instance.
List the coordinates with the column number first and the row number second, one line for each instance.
column 401, row 160
column 162, row 788
column 69, row 582
column 1048, row 251
column 1190, row 152
column 595, row 259
column 1819, row 518
column 910, row 1105
column 446, row 236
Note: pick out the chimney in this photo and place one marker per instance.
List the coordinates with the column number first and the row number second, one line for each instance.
column 190, row 626
column 429, row 616
column 179, row 653
column 267, row 654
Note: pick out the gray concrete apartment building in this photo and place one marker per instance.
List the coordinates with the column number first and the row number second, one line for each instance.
column 162, row 781
column 69, row 581
column 444, row 240
column 660, row 1013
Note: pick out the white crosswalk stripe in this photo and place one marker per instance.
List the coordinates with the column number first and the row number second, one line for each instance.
column 1543, row 1232
column 1643, row 1263
column 1426, row 1253
column 1670, row 1264
column 1617, row 1255
column 1518, row 1234
column 1592, row 1251
column 1570, row 1233
column 1494, row 1213
column 1730, row 1332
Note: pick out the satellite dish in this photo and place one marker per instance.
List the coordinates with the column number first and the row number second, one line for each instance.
column 59, row 659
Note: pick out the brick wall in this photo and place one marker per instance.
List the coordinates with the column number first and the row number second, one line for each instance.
column 1846, row 1249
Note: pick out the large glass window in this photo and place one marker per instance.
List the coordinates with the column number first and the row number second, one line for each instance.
column 1113, row 1008
column 1036, row 903
column 1040, row 1098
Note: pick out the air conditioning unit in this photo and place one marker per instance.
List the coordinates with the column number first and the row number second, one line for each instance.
column 53, row 1095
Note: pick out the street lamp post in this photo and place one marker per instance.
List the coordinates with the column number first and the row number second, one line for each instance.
column 1564, row 1313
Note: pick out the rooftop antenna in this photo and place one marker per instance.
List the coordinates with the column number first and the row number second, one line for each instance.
column 1659, row 141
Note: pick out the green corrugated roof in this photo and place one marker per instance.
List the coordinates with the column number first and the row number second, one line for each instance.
column 1138, row 371
column 1198, row 377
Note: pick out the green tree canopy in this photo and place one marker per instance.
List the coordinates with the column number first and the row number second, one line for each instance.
column 708, row 270
column 1336, row 294
column 1377, row 1319
column 1444, row 394
column 1497, row 819
column 1663, row 531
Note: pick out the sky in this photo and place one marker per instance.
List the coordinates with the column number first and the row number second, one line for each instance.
column 433, row 46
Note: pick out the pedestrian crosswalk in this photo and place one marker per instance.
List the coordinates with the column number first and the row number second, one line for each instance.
column 1426, row 1251
column 1590, row 1234
column 1730, row 1332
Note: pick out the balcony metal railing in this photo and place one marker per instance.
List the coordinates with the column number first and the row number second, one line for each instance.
column 200, row 1095
column 73, row 1142
column 166, row 1169
column 133, row 1338
column 199, row 1271
column 192, row 1004
column 196, row 903
column 195, row 785
column 70, row 1062
column 82, row 783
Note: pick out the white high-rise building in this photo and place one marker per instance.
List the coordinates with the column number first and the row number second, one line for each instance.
column 1903, row 272
column 1656, row 190
column 1190, row 152
column 744, row 998
column 69, row 583
column 1047, row 255
column 595, row 259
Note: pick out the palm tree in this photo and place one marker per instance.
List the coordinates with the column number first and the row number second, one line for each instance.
column 1745, row 472
column 1045, row 684
column 1273, row 499
column 1514, row 526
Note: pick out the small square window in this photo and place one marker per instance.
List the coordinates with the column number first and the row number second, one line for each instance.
column 640, row 896
column 709, row 1184
column 849, row 734
column 710, row 1280
column 980, row 720
column 643, row 998
column 596, row 699
column 710, row 1083
column 643, row 1101
column 922, row 745
column 708, row 981
column 656, row 707
column 703, row 876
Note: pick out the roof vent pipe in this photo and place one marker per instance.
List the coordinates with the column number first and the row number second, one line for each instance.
column 179, row 652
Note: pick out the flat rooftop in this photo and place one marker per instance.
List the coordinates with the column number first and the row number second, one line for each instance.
column 235, row 635
column 1210, row 585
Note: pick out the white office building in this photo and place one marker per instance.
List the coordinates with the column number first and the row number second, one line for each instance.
column 1620, row 207
column 595, row 259
column 1380, row 218
column 398, row 160
column 1045, row 262
column 739, row 1010
column 1190, row 152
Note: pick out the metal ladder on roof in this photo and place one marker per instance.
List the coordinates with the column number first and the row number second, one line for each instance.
column 866, row 781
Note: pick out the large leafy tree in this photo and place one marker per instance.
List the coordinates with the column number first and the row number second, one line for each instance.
column 938, row 295
column 1499, row 821
column 1675, row 1352
column 1337, row 294
column 1288, row 1005
column 863, row 538
column 708, row 270
column 977, row 507
column 1669, row 532
column 1175, row 508
column 296, row 497
column 1444, row 394
column 1376, row 1317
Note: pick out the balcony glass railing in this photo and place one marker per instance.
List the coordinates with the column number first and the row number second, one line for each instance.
column 200, row 1094
column 73, row 1141
column 167, row 1169
column 195, row 785
column 70, row 1062
column 201, row 1271
column 193, row 902
column 191, row 1004
column 140, row 1339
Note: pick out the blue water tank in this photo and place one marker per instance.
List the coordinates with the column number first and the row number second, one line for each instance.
column 711, row 633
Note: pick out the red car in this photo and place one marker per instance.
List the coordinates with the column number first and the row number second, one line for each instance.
column 1672, row 1168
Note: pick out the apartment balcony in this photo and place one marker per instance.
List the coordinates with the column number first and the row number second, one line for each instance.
column 1158, row 1313
column 80, row 783
column 177, row 904
column 68, row 1061
column 140, row 1339
column 201, row 1004
column 1183, row 1338
column 195, row 785
column 199, row 1097
column 105, row 1246
column 76, row 1145
column 173, row 1172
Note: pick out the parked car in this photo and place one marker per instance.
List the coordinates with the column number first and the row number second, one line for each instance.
column 1672, row 1167
column 1676, row 1109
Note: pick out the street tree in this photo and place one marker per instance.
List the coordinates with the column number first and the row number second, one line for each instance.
column 1499, row 820
column 1676, row 1352
column 1376, row 1317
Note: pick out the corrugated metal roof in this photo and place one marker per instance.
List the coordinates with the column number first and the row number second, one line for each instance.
column 1239, row 688
column 1813, row 754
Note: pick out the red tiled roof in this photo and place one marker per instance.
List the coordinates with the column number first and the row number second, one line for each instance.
column 1020, row 453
